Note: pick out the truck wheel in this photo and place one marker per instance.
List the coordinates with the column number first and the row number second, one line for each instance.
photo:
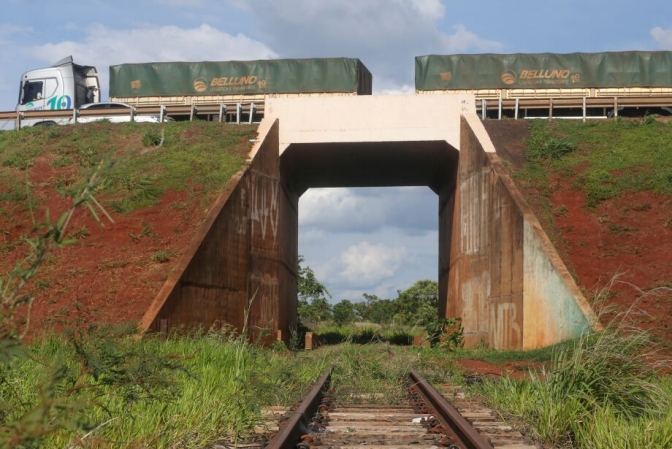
column 45, row 124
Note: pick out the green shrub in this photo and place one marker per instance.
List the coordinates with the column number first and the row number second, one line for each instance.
column 398, row 337
column 602, row 384
column 162, row 256
column 446, row 333
column 152, row 137
column 542, row 145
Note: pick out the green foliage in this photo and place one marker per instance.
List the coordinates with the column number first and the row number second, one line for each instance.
column 194, row 157
column 604, row 159
column 343, row 312
column 188, row 391
column 152, row 137
column 370, row 374
column 445, row 333
column 649, row 119
column 309, row 287
column 312, row 296
column 20, row 160
column 609, row 370
column 364, row 334
column 162, row 256
column 600, row 391
column 376, row 310
column 315, row 312
column 16, row 193
column 542, row 145
column 418, row 305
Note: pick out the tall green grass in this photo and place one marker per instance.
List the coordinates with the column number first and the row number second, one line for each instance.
column 185, row 392
column 599, row 392
column 366, row 333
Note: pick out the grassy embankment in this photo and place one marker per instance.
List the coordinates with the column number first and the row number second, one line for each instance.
column 602, row 391
column 189, row 392
column 196, row 156
column 604, row 159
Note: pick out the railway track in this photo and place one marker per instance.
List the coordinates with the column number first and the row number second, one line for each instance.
column 429, row 420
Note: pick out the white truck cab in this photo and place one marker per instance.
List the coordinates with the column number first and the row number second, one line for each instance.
column 64, row 85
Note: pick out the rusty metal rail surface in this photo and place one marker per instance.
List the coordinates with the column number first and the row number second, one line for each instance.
column 300, row 418
column 466, row 436
column 429, row 421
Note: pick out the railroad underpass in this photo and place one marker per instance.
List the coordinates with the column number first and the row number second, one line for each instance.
column 498, row 270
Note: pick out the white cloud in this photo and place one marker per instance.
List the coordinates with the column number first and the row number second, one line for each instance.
column 329, row 260
column 384, row 86
column 314, row 236
column 431, row 9
column 178, row 2
column 103, row 46
column 367, row 263
column 8, row 30
column 338, row 207
column 385, row 34
column 413, row 209
column 663, row 37
column 463, row 40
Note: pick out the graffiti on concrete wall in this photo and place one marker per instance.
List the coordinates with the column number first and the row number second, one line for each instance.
column 506, row 332
column 265, row 291
column 259, row 196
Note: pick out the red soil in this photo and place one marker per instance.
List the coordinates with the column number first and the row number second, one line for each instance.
column 619, row 253
column 111, row 275
column 515, row 370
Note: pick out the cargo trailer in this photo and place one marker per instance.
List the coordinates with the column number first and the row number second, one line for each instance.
column 510, row 78
column 192, row 83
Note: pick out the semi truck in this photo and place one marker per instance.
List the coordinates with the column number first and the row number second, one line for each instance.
column 540, row 76
column 66, row 85
column 63, row 85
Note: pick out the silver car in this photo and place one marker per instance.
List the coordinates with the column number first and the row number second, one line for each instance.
column 114, row 113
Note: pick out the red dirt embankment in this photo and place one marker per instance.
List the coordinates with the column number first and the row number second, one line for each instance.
column 619, row 250
column 111, row 274
column 108, row 274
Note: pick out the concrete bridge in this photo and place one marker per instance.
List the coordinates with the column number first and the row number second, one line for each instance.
column 498, row 270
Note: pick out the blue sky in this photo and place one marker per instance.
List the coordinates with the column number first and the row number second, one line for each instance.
column 357, row 240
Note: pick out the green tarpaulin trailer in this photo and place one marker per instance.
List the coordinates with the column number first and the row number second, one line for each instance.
column 236, row 78
column 630, row 69
column 553, row 85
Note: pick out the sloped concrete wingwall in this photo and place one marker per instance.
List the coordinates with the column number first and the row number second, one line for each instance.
column 504, row 277
column 242, row 263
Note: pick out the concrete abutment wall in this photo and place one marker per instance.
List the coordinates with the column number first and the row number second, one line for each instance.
column 505, row 279
column 242, row 264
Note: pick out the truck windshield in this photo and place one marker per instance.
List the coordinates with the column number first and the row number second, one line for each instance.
column 32, row 90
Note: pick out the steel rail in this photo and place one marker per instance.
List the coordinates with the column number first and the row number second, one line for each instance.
column 468, row 437
column 290, row 432
column 459, row 432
